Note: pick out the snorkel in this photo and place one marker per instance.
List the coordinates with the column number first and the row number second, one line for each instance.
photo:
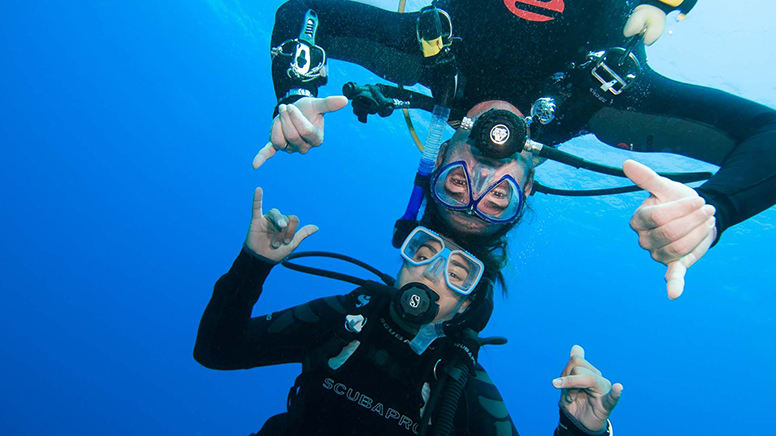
column 441, row 62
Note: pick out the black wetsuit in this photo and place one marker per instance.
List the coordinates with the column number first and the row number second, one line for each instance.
column 378, row 389
column 510, row 50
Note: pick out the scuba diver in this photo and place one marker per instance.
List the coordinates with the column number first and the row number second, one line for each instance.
column 569, row 66
column 393, row 358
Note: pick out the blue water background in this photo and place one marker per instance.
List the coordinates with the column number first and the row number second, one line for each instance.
column 127, row 132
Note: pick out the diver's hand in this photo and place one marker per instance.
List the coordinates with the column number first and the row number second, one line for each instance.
column 273, row 235
column 298, row 127
column 674, row 224
column 647, row 19
column 585, row 394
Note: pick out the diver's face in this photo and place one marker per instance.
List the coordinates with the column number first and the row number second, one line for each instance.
column 433, row 275
column 484, row 172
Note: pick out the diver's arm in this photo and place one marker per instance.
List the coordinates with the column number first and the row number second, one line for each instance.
column 223, row 339
column 567, row 426
column 229, row 338
column 488, row 415
column 382, row 41
column 663, row 115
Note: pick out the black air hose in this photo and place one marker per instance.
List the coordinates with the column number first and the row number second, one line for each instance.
column 459, row 376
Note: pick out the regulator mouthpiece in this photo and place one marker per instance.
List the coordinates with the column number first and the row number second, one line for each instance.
column 416, row 303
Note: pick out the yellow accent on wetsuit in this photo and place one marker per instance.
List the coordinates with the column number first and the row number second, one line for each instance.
column 673, row 3
column 431, row 48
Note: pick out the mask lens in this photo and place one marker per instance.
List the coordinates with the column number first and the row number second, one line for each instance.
column 502, row 201
column 421, row 247
column 452, row 187
column 463, row 272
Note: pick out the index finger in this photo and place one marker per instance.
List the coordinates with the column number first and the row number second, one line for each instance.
column 330, row 104
column 278, row 220
column 582, row 381
column 651, row 217
column 576, row 358
column 257, row 196
column 577, row 351
column 647, row 179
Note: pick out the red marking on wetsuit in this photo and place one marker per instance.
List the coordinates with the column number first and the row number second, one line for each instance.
column 550, row 5
column 625, row 146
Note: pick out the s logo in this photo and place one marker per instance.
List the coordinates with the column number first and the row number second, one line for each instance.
column 363, row 300
column 529, row 9
column 414, row 301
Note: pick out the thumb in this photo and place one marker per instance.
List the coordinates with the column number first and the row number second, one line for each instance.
column 302, row 234
column 647, row 179
column 655, row 27
column 648, row 19
column 635, row 25
column 610, row 400
column 330, row 104
column 675, row 279
column 265, row 153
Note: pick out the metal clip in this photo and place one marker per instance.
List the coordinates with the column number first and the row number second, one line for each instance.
column 608, row 76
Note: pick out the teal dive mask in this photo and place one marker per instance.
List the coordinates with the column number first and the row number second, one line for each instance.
column 462, row 271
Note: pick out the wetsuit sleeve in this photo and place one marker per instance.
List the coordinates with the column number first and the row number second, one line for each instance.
column 229, row 338
column 488, row 415
column 568, row 426
column 379, row 40
column 663, row 115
